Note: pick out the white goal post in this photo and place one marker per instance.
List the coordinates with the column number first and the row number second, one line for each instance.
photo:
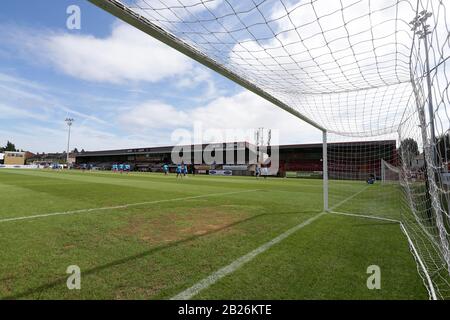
column 389, row 173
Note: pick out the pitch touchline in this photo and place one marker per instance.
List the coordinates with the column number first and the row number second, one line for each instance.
column 124, row 206
column 219, row 274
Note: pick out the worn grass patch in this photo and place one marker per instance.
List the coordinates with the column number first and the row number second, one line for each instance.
column 174, row 226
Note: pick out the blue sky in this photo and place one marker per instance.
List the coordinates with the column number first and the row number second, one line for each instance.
column 123, row 88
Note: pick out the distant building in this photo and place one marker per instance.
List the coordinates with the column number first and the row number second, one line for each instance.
column 14, row 158
column 44, row 159
column 72, row 158
column 418, row 162
column 152, row 159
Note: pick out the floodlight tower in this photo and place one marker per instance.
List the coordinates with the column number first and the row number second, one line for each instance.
column 69, row 122
column 422, row 29
column 259, row 140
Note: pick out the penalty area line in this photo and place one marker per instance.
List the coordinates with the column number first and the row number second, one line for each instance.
column 123, row 206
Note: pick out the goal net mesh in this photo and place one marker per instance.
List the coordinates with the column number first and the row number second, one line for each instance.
column 355, row 172
column 389, row 173
column 369, row 72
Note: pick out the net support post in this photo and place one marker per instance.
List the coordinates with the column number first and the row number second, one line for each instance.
column 325, row 171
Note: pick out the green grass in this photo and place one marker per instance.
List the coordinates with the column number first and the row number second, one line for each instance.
column 156, row 250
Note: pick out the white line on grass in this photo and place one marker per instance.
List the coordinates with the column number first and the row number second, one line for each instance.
column 365, row 216
column 431, row 290
column 430, row 287
column 213, row 278
column 124, row 206
column 236, row 264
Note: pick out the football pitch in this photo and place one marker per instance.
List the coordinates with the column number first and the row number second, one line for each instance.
column 150, row 236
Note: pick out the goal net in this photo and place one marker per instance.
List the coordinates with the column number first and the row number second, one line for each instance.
column 389, row 173
column 358, row 171
column 372, row 75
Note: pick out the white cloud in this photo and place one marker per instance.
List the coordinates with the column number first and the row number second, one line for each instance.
column 42, row 138
column 153, row 115
column 175, row 10
column 126, row 55
column 197, row 77
column 33, row 118
column 33, row 100
column 8, row 112
column 248, row 111
column 242, row 113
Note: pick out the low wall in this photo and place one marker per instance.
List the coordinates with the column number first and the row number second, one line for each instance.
column 18, row 166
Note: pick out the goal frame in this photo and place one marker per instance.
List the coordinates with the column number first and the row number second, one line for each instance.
column 121, row 11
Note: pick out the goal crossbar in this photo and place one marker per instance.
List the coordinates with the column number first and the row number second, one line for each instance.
column 133, row 18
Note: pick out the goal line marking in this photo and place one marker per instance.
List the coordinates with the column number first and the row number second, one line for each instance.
column 236, row 264
column 123, row 206
column 430, row 288
column 365, row 216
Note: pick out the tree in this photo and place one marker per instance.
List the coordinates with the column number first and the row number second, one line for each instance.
column 408, row 150
column 9, row 147
column 443, row 147
column 75, row 150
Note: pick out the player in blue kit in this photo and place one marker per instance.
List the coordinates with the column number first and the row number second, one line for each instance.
column 179, row 171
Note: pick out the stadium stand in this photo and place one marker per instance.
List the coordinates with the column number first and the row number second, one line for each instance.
column 298, row 158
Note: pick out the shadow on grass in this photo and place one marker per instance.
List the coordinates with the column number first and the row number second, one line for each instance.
column 143, row 254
